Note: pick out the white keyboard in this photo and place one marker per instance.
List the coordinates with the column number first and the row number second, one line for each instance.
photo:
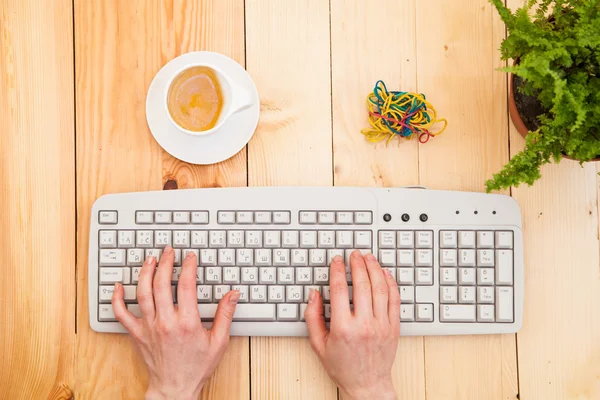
column 457, row 256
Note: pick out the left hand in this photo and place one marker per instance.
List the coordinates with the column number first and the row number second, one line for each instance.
column 179, row 352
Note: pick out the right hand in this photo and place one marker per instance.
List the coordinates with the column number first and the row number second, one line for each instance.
column 359, row 350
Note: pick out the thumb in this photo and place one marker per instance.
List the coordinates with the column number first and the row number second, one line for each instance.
column 224, row 316
column 317, row 331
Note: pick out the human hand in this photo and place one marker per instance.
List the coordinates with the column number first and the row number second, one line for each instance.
column 179, row 352
column 359, row 350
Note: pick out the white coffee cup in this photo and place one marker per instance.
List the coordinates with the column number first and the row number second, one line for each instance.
column 235, row 98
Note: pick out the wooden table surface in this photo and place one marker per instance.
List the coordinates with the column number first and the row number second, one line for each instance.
column 73, row 82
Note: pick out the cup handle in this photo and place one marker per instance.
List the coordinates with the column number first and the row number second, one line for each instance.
column 241, row 98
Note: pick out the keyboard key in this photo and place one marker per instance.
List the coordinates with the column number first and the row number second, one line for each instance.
column 485, row 258
column 135, row 274
column 254, row 239
column 345, row 217
column 231, row 275
column 405, row 258
column 208, row 257
column 448, row 257
column 144, row 217
column 504, row 267
column 387, row 258
column 267, row 275
column 272, row 239
column 250, row 275
column 448, row 239
column 199, row 217
column 308, row 239
column 107, row 239
column 504, row 240
column 326, row 239
column 181, row 239
column 276, row 294
column 175, row 274
column 448, row 276
column 243, row 312
column 348, row 253
column 467, row 258
column 290, row 239
column 200, row 239
column 387, row 240
column 243, row 289
column 262, row 217
column 406, row 239
column 126, row 239
column 485, row 294
column 281, row 257
column 181, row 217
column 287, row 312
column 204, row 294
column 466, row 239
column 448, row 294
column 407, row 312
column 262, row 257
column 344, row 239
column 217, row 239
column 112, row 258
column 299, row 257
column 245, row 217
column 107, row 217
column 321, row 275
column 362, row 239
column 156, row 253
column 485, row 313
column 406, row 276
column 407, row 294
column 235, row 239
column 105, row 313
column 162, row 238
column 485, row 276
column 162, row 217
column 424, row 258
column 220, row 291
column 105, row 293
column 285, row 276
column 317, row 257
column 281, row 217
column 144, row 238
column 424, row 239
column 363, row 217
column 258, row 294
column 466, row 276
column 293, row 294
column 504, row 304
column 467, row 294
column 331, row 253
column 424, row 312
column 199, row 275
column 226, row 217
column 212, row 275
column 308, row 217
column 307, row 291
column 424, row 276
column 485, row 240
column 326, row 217
column 304, row 276
column 457, row 313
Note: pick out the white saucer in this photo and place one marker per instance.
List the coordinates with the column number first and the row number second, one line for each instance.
column 219, row 145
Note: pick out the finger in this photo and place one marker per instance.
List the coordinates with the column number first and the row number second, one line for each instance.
column 163, row 295
column 317, row 331
column 379, row 288
column 363, row 304
column 144, row 289
column 338, row 292
column 224, row 316
column 186, row 288
column 122, row 314
column 393, row 300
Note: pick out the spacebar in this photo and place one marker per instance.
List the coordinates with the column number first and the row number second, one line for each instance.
column 243, row 312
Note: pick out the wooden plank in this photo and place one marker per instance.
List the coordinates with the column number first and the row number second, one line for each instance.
column 360, row 58
column 457, row 44
column 120, row 45
column 287, row 50
column 37, row 199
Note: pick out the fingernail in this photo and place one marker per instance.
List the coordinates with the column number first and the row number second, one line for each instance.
column 149, row 259
column 312, row 295
column 234, row 297
column 387, row 272
column 356, row 253
column 117, row 286
column 168, row 250
column 370, row 257
column 338, row 260
column 190, row 255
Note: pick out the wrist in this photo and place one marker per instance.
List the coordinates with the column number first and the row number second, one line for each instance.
column 381, row 391
column 161, row 393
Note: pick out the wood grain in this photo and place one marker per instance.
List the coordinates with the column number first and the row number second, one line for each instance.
column 287, row 54
column 457, row 46
column 359, row 58
column 37, row 200
column 120, row 46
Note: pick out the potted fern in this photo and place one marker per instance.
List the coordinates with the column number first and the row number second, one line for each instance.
column 554, row 97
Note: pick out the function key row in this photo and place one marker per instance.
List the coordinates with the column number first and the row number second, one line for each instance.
column 485, row 239
column 254, row 217
column 171, row 217
column 332, row 217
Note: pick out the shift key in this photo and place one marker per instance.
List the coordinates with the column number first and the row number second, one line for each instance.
column 457, row 313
